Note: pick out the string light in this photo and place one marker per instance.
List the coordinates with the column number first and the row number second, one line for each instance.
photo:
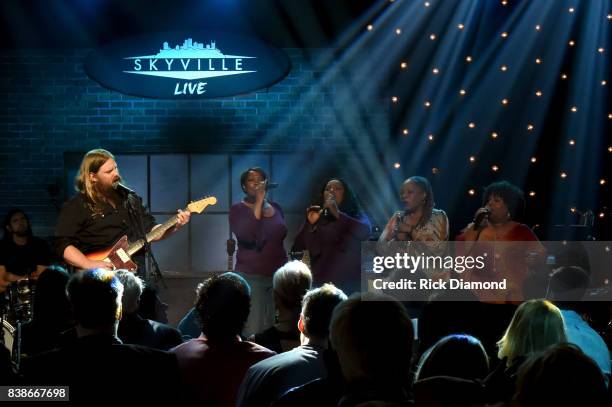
column 396, row 165
column 398, row 31
column 427, row 4
column 530, row 127
column 460, row 26
column 462, row 92
column 427, row 103
column 403, row 65
column 394, row 99
column 571, row 10
column 538, row 61
column 572, row 142
column 604, row 82
column 601, row 214
column 600, row 50
column 602, row 181
column 405, row 132
column 504, row 34
column 609, row 149
column 370, row 27
column 609, row 16
column 563, row 76
column 571, row 43
column 538, row 93
column 435, row 71
column 504, row 68
column 472, row 158
column 435, row 170
column 468, row 58
column 430, row 137
column 573, row 210
column 574, row 109
column 494, row 135
column 609, row 115
column 534, row 159
column 432, row 37
column 504, row 2
column 471, row 191
column 532, row 193
column 495, row 168
column 563, row 175
column 472, row 125
column 504, row 101
column 538, row 27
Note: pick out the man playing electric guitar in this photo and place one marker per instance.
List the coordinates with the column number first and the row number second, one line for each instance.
column 99, row 215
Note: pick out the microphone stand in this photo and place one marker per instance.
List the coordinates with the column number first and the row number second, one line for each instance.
column 136, row 220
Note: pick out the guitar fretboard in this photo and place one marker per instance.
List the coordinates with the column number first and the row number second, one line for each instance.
column 154, row 234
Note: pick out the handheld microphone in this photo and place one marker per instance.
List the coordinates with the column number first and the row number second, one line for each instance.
column 481, row 216
column 119, row 187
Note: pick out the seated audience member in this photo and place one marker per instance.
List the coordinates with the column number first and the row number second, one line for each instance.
column 372, row 335
column 536, row 325
column 52, row 314
column 271, row 378
column 289, row 284
column 213, row 365
column 189, row 326
column 97, row 366
column 454, row 355
column 560, row 376
column 568, row 285
column 448, row 371
column 135, row 329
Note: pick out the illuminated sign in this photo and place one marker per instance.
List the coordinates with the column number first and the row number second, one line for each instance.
column 187, row 65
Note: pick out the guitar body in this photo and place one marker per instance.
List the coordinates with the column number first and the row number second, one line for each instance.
column 117, row 255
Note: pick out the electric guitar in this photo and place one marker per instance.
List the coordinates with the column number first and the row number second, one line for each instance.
column 120, row 254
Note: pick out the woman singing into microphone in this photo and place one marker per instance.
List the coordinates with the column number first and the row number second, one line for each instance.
column 332, row 233
column 259, row 226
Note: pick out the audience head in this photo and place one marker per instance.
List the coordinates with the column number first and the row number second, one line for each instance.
column 560, row 376
column 95, row 296
column 536, row 325
column 50, row 302
column 568, row 284
column 460, row 356
column 16, row 222
column 372, row 335
column 511, row 196
column 223, row 303
column 317, row 308
column 132, row 289
column 289, row 284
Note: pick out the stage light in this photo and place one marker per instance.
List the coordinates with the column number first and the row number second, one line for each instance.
column 530, row 127
column 471, row 191
column 601, row 214
column 609, row 115
column 604, row 83
column 600, row 50
column 462, row 92
column 534, row 159
column 571, row 9
column 435, row 71
column 427, row 103
column 472, row 125
column 563, row 175
column 430, row 137
column 403, row 65
column 571, row 43
column 396, row 166
column 609, row 16
column 468, row 58
column 538, row 27
column 602, row 181
column 398, row 31
column 538, row 61
column 532, row 193
column 427, row 4
column 394, row 99
column 563, row 76
column 460, row 26
column 572, row 142
column 574, row 109
column 504, row 34
column 405, row 132
column 538, row 93
column 370, row 27
column 435, row 170
column 609, row 149
column 432, row 37
column 504, row 2
column 472, row 158
column 504, row 68
column 573, row 210
column 494, row 135
column 504, row 101
column 495, row 168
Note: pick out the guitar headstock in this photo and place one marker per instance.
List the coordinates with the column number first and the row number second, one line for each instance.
column 199, row 206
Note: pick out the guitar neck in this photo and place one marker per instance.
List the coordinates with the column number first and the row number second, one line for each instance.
column 154, row 234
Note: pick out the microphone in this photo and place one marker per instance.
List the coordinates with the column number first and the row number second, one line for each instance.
column 481, row 216
column 119, row 187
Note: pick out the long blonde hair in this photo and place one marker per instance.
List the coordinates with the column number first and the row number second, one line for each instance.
column 92, row 161
column 536, row 325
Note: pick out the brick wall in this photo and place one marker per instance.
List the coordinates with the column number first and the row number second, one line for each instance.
column 49, row 106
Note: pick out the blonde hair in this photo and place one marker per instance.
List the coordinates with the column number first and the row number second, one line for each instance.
column 536, row 325
column 92, row 161
column 290, row 283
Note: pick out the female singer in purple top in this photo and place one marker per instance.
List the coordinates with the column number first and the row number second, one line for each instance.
column 333, row 233
column 259, row 227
